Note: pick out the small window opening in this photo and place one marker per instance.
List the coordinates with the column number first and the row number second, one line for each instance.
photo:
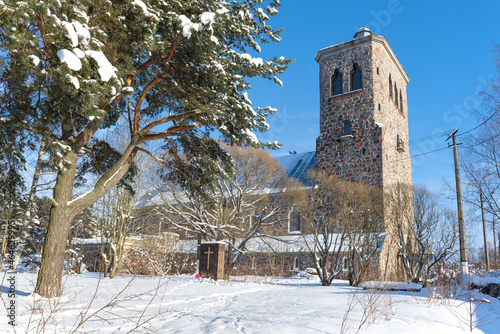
column 400, row 101
column 390, row 87
column 396, row 95
column 347, row 128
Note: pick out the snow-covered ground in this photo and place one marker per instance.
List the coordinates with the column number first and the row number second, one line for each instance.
column 184, row 304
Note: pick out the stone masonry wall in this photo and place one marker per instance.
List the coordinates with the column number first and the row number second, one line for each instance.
column 372, row 155
column 357, row 158
column 394, row 120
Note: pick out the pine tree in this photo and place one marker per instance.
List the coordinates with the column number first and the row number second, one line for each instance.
column 173, row 70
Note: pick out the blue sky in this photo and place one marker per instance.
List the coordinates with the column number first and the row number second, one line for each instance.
column 446, row 48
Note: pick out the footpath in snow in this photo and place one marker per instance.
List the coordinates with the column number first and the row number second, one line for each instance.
column 184, row 304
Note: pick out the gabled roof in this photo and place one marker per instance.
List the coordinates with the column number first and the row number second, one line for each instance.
column 298, row 164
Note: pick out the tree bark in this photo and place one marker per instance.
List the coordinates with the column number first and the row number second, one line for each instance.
column 61, row 215
column 63, row 211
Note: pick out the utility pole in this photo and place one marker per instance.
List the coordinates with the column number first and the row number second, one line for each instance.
column 461, row 228
column 486, row 253
column 494, row 244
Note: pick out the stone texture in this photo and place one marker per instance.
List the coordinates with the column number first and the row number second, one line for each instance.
column 371, row 156
column 377, row 153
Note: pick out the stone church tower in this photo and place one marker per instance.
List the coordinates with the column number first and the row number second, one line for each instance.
column 364, row 125
column 363, row 112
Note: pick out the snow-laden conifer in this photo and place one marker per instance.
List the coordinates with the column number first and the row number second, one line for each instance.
column 175, row 71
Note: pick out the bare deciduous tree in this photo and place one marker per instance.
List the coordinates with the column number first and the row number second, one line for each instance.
column 116, row 212
column 342, row 218
column 362, row 214
column 322, row 225
column 241, row 207
column 425, row 233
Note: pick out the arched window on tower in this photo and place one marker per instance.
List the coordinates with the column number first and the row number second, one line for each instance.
column 336, row 84
column 390, row 87
column 356, row 78
column 396, row 95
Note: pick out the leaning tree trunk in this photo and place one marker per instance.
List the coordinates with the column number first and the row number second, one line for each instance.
column 61, row 215
column 64, row 209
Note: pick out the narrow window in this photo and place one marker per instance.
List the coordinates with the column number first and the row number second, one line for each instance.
column 390, row 87
column 336, row 83
column 253, row 262
column 274, row 263
column 347, row 128
column 356, row 78
column 296, row 264
column 364, row 151
column 295, row 221
column 377, row 71
column 400, row 101
column 379, row 107
column 396, row 95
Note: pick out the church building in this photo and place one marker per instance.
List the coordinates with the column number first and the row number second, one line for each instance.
column 363, row 138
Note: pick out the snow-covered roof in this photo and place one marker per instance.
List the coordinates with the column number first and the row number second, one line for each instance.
column 297, row 165
column 296, row 243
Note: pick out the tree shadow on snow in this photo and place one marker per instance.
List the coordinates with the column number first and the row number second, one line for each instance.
column 6, row 291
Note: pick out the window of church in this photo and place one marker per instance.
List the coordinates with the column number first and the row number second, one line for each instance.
column 390, row 87
column 347, row 128
column 396, row 95
column 296, row 264
column 400, row 101
column 295, row 221
column 356, row 78
column 377, row 71
column 336, row 83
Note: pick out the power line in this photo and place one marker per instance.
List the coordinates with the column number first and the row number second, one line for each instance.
column 485, row 121
column 417, row 155
column 484, row 141
column 429, row 137
column 443, row 148
column 439, row 149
